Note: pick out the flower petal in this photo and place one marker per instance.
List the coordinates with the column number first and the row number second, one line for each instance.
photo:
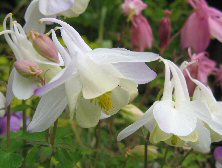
column 58, row 80
column 96, row 79
column 2, row 104
column 54, row 7
column 48, row 110
column 9, row 93
column 138, row 72
column 193, row 36
column 78, row 8
column 23, row 88
column 177, row 120
column 120, row 98
column 116, row 55
column 87, row 113
column 73, row 88
column 32, row 17
column 146, row 118
column 204, row 140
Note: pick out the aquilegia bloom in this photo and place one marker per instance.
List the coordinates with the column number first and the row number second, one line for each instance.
column 176, row 119
column 45, row 8
column 28, row 60
column 93, row 81
column 205, row 22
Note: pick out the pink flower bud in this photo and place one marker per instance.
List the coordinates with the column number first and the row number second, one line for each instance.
column 141, row 33
column 165, row 30
column 44, row 46
column 28, row 68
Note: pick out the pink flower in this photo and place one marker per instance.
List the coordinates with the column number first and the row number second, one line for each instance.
column 205, row 22
column 200, row 68
column 165, row 29
column 133, row 7
column 141, row 33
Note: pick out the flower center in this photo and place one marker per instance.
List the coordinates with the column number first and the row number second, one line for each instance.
column 105, row 101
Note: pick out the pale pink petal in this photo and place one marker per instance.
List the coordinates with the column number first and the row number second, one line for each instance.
column 196, row 33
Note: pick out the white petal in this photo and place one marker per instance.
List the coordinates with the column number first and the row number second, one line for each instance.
column 120, row 98
column 130, row 87
column 23, row 88
column 61, row 49
column 78, row 8
column 138, row 72
column 96, row 79
column 2, row 104
column 135, row 126
column 54, row 7
column 64, row 75
column 77, row 39
column 105, row 55
column 87, row 113
column 48, row 110
column 9, row 93
column 204, row 140
column 73, row 88
column 176, row 120
column 32, row 17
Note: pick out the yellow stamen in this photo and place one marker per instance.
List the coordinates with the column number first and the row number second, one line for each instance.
column 174, row 140
column 105, row 102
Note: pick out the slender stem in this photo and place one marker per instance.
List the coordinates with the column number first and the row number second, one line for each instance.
column 8, row 125
column 47, row 137
column 24, row 119
column 53, row 137
column 184, row 157
column 98, row 134
column 111, row 132
column 164, row 157
column 146, row 151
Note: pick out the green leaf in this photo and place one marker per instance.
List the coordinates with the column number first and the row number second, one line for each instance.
column 10, row 160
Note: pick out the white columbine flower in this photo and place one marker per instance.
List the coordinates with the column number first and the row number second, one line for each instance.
column 93, row 82
column 19, row 85
column 174, row 119
column 51, row 8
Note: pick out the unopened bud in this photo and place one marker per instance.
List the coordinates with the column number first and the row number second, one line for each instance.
column 165, row 30
column 44, row 46
column 28, row 68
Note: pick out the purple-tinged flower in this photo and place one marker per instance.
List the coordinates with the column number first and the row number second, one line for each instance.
column 218, row 156
column 165, row 29
column 200, row 68
column 205, row 22
column 15, row 123
column 141, row 33
column 133, row 8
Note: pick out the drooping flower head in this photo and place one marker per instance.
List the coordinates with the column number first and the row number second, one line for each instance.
column 141, row 34
column 205, row 22
column 93, row 82
column 165, row 29
column 176, row 119
column 200, row 68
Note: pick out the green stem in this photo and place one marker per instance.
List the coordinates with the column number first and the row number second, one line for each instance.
column 164, row 157
column 146, row 151
column 53, row 137
column 184, row 157
column 101, row 24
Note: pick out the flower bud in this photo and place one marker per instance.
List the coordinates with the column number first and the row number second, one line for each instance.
column 44, row 46
column 28, row 68
column 131, row 112
column 165, row 30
